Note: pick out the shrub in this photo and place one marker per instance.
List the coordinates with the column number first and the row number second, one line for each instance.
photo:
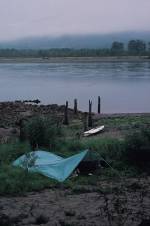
column 14, row 180
column 42, row 132
column 10, row 152
column 108, row 148
column 137, row 149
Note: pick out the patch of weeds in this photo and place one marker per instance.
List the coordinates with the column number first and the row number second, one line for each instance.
column 137, row 149
column 10, row 152
column 42, row 131
column 15, row 180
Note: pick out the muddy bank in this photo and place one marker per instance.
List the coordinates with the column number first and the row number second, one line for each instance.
column 12, row 112
column 108, row 203
column 75, row 59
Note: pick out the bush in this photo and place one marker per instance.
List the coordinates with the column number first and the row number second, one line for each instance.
column 42, row 132
column 15, row 180
column 108, row 148
column 137, row 149
column 10, row 152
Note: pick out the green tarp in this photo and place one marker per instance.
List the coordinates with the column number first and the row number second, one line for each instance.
column 49, row 164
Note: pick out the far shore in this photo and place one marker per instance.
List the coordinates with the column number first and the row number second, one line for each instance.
column 75, row 59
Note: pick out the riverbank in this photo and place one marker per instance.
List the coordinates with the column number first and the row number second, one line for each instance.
column 116, row 125
column 75, row 59
column 118, row 196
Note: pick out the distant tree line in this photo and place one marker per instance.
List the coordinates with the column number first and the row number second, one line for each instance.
column 133, row 48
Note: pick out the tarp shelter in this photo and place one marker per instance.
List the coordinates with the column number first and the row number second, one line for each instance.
column 49, row 164
column 90, row 163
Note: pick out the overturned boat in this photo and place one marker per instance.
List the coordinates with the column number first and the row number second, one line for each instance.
column 94, row 131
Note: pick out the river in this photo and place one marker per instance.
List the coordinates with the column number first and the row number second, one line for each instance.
column 123, row 86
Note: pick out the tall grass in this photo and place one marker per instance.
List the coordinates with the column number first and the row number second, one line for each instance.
column 9, row 152
column 137, row 149
column 14, row 180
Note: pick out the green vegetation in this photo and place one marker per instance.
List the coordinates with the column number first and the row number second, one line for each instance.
column 15, row 180
column 127, row 155
column 134, row 48
column 42, row 132
column 137, row 149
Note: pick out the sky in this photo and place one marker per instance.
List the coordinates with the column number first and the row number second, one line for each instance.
column 25, row 18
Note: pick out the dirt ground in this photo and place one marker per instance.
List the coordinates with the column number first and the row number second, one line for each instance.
column 111, row 203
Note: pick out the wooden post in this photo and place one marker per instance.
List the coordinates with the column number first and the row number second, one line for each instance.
column 75, row 106
column 66, row 122
column 21, row 126
column 85, row 121
column 99, row 105
column 90, row 114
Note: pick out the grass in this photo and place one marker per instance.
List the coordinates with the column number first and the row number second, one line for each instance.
column 14, row 180
column 125, row 123
column 9, row 152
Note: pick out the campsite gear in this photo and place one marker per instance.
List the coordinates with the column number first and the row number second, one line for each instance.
column 93, row 131
column 90, row 163
column 49, row 164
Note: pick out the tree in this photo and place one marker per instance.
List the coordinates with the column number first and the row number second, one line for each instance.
column 117, row 48
column 149, row 47
column 136, row 47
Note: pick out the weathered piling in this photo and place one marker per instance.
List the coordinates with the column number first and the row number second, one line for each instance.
column 99, row 105
column 85, row 121
column 75, row 106
column 66, row 121
column 21, row 127
column 90, row 123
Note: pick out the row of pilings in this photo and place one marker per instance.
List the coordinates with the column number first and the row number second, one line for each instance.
column 88, row 120
column 87, row 116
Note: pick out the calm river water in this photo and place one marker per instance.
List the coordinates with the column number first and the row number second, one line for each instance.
column 123, row 86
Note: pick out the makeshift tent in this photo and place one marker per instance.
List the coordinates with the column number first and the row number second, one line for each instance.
column 90, row 163
column 49, row 164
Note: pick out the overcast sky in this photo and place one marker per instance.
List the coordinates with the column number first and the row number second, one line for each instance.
column 23, row 18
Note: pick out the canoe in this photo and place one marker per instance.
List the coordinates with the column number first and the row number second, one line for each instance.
column 93, row 131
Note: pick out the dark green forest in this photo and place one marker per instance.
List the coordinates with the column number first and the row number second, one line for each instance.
column 133, row 48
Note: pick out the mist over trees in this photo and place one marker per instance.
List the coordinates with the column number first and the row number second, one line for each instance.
column 133, row 48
